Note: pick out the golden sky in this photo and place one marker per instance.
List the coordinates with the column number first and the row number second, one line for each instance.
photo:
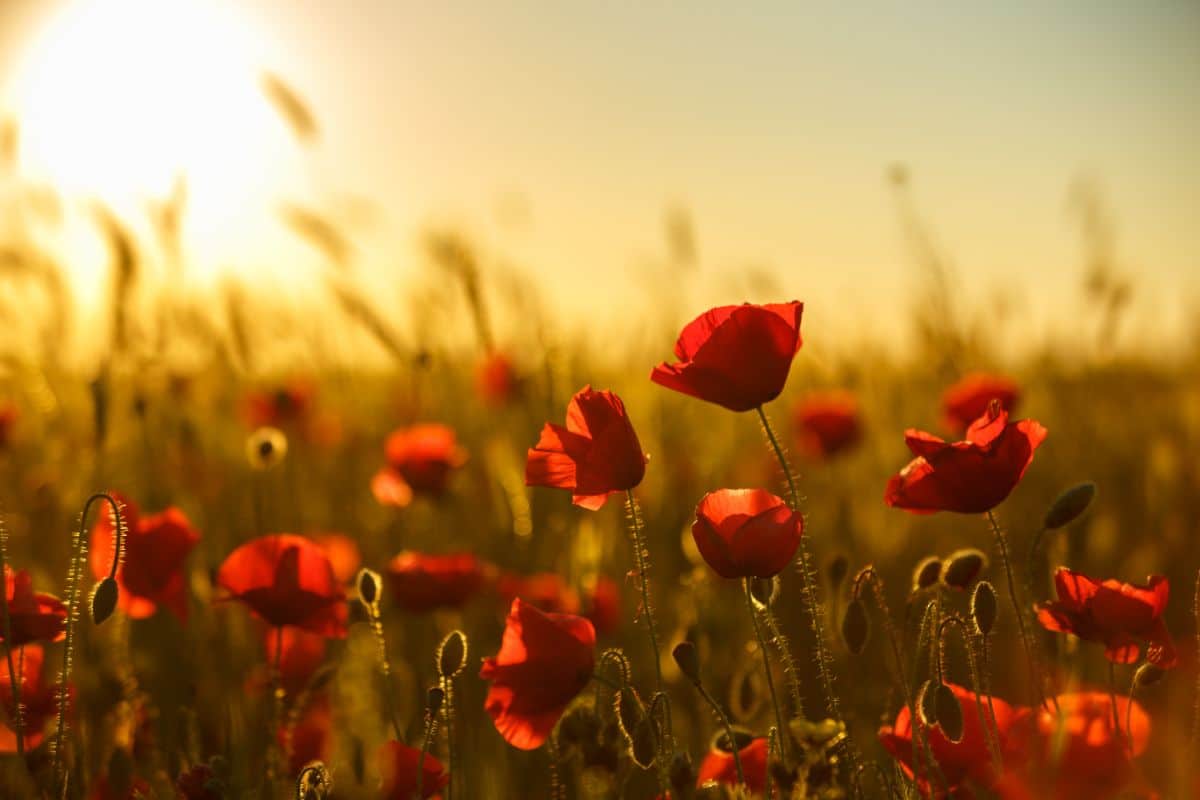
column 558, row 133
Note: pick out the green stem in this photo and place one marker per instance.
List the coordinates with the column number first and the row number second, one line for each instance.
column 728, row 726
column 430, row 730
column 1035, row 675
column 641, row 556
column 766, row 656
column 74, row 577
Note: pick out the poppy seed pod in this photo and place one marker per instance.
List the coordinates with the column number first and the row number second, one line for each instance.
column 984, row 607
column 962, row 567
column 452, row 654
column 687, row 660
column 368, row 583
column 926, row 573
column 856, row 627
column 1069, row 505
column 104, row 600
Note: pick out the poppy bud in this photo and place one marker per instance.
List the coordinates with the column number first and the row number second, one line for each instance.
column 434, row 699
column 926, row 703
column 682, row 775
column 315, row 782
column 643, row 744
column 368, row 583
column 926, row 573
column 452, row 654
column 630, row 711
column 764, row 591
column 839, row 567
column 984, row 607
column 949, row 716
column 687, row 660
column 963, row 566
column 856, row 627
column 1069, row 505
column 104, row 600
column 1147, row 675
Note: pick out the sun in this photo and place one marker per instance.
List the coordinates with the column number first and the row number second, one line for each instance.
column 118, row 99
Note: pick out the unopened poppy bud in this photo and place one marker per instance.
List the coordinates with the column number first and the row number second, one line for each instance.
column 643, row 743
column 315, row 782
column 839, row 567
column 687, row 660
column 962, row 567
column 1069, row 505
column 926, row 703
column 104, row 600
column 1148, row 675
column 764, row 591
column 926, row 573
column 368, row 582
column 434, row 699
column 984, row 607
column 856, row 627
column 630, row 711
column 452, row 654
column 949, row 716
column 682, row 775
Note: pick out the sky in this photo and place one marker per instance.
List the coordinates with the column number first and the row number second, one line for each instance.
column 558, row 133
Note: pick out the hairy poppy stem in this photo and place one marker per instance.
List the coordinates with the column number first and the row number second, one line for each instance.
column 766, row 656
column 74, row 577
column 723, row 718
column 811, row 600
column 992, row 738
column 17, row 720
column 1035, row 675
column 430, row 731
column 785, row 656
column 641, row 555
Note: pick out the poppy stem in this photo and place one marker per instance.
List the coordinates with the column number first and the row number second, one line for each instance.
column 785, row 656
column 430, row 732
column 723, row 718
column 385, row 669
column 811, row 601
column 1035, row 675
column 993, row 740
column 74, row 577
column 14, row 682
column 1116, row 714
column 641, row 555
column 766, row 656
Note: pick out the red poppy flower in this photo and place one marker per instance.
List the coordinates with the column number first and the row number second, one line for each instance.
column 718, row 765
column 39, row 699
column 1119, row 615
column 32, row 616
column 1084, row 757
column 968, row 760
column 970, row 477
column 311, row 736
column 968, row 400
column 152, row 571
column 398, row 765
column 745, row 533
column 280, row 406
column 827, row 424
column 546, row 590
column 421, row 582
column 496, row 380
column 735, row 356
column 302, row 655
column 199, row 782
column 419, row 460
column 603, row 603
column 286, row 580
column 545, row 660
column 596, row 454
column 8, row 421
column 343, row 554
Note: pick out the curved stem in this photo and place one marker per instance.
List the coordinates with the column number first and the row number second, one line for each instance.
column 1035, row 675
column 728, row 726
column 766, row 656
column 74, row 576
column 993, row 743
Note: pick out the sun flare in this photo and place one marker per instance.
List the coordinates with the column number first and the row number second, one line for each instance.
column 117, row 99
